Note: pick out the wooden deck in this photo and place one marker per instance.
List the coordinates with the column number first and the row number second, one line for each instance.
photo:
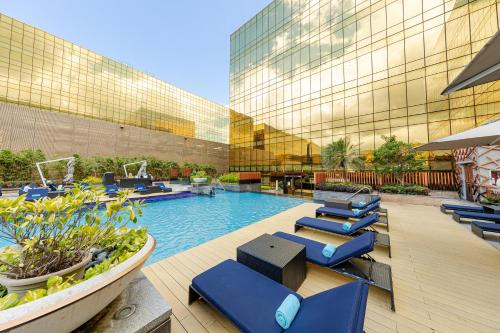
column 446, row 279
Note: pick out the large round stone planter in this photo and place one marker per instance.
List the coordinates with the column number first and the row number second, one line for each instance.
column 68, row 309
column 22, row 286
column 200, row 180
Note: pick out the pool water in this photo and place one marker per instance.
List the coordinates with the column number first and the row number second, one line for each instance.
column 181, row 224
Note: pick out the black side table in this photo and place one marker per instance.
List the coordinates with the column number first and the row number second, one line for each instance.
column 282, row 260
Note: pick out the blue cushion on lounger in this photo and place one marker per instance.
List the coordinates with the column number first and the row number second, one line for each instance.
column 250, row 299
column 463, row 208
column 337, row 310
column 364, row 204
column 245, row 296
column 487, row 226
column 36, row 193
column 336, row 227
column 111, row 189
column 353, row 248
column 479, row 216
column 346, row 212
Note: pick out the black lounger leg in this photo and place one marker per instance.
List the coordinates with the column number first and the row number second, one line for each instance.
column 193, row 295
column 393, row 305
column 297, row 227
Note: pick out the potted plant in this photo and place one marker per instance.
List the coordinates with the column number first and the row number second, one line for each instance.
column 201, row 177
column 63, row 244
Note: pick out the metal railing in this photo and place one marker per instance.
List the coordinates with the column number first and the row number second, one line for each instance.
column 358, row 191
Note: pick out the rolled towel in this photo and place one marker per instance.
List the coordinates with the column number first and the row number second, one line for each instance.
column 346, row 226
column 287, row 311
column 362, row 203
column 329, row 250
column 356, row 212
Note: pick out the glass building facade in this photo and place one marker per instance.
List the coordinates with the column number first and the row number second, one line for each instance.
column 307, row 72
column 40, row 70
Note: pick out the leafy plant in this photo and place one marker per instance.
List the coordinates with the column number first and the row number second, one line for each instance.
column 340, row 154
column 491, row 199
column 200, row 174
column 344, row 187
column 54, row 234
column 397, row 158
column 230, row 178
column 92, row 180
column 404, row 189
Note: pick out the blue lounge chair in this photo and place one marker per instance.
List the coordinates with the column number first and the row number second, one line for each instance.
column 24, row 189
column 111, row 190
column 141, row 188
column 478, row 228
column 362, row 205
column 449, row 208
column 459, row 216
column 358, row 228
column 36, row 193
column 250, row 300
column 350, row 259
column 162, row 187
column 350, row 214
column 84, row 186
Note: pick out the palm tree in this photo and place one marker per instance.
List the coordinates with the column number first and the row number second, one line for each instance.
column 340, row 154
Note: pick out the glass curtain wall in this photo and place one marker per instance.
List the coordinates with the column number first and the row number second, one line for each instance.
column 307, row 72
column 41, row 70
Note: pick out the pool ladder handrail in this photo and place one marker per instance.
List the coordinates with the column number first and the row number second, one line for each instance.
column 220, row 184
column 358, row 191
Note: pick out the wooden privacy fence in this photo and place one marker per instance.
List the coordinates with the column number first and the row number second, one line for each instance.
column 435, row 180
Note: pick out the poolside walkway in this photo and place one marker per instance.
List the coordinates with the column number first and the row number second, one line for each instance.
column 446, row 279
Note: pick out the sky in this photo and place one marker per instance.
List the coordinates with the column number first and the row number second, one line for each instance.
column 183, row 42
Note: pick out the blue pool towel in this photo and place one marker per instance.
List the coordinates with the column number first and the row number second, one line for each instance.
column 329, row 250
column 356, row 212
column 287, row 310
column 346, row 226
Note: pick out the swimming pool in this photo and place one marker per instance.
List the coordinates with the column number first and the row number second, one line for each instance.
column 181, row 224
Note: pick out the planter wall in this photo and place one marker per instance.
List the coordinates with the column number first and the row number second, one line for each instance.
column 242, row 187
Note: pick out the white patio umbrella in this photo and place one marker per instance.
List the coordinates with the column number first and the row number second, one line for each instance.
column 484, row 135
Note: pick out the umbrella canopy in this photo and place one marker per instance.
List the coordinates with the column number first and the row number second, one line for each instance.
column 485, row 135
column 483, row 68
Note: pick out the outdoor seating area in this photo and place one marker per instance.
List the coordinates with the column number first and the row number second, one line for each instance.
column 438, row 286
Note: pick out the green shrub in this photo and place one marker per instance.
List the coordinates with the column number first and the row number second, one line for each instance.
column 92, row 180
column 404, row 189
column 265, row 187
column 230, row 178
column 345, row 187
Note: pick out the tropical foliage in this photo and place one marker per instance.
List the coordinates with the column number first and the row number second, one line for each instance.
column 344, row 187
column 404, row 189
column 340, row 155
column 230, row 178
column 54, row 234
column 396, row 157
column 19, row 168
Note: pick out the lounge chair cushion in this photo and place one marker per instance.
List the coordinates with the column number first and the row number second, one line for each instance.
column 353, row 248
column 36, row 193
column 374, row 199
column 335, row 227
column 487, row 226
column 337, row 310
column 462, row 208
column 246, row 297
column 345, row 212
column 480, row 216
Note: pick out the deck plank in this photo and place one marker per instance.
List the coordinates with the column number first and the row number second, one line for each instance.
column 445, row 278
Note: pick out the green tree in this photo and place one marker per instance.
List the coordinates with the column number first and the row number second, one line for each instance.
column 340, row 154
column 396, row 157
